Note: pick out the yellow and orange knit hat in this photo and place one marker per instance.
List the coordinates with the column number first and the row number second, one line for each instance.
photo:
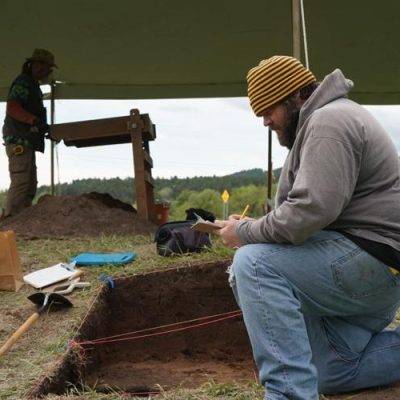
column 274, row 79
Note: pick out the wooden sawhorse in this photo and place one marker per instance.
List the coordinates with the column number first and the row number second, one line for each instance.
column 136, row 128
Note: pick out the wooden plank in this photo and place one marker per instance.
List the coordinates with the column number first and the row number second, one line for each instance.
column 91, row 129
column 148, row 160
column 102, row 141
column 150, row 203
column 99, row 132
column 148, row 178
column 148, row 129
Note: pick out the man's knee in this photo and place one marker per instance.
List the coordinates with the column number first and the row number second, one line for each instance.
column 246, row 260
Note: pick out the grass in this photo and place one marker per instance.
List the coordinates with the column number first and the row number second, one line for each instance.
column 36, row 353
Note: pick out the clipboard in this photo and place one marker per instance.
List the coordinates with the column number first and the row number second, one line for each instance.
column 203, row 225
column 47, row 276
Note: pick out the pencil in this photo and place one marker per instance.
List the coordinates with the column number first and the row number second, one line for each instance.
column 245, row 211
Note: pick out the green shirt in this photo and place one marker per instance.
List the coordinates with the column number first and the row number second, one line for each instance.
column 26, row 91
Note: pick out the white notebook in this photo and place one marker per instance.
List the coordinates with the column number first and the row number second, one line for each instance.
column 47, row 276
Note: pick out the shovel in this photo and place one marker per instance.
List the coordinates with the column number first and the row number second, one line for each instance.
column 44, row 300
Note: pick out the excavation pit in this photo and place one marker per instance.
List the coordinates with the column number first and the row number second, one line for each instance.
column 175, row 355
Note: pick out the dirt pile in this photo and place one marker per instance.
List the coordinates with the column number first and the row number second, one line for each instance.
column 92, row 214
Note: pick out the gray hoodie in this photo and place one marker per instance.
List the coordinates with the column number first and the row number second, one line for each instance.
column 341, row 174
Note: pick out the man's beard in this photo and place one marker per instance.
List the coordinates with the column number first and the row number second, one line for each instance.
column 288, row 135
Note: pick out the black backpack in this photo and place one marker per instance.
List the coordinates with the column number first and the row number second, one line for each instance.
column 177, row 237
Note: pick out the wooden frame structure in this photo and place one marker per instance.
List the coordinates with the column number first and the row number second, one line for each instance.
column 136, row 129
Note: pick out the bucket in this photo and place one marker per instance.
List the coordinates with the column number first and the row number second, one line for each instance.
column 162, row 212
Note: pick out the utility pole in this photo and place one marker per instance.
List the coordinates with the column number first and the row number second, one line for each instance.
column 52, row 144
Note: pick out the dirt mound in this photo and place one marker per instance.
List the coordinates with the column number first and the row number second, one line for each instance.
column 92, row 214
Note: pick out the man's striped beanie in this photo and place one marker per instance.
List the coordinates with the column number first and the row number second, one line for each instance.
column 274, row 79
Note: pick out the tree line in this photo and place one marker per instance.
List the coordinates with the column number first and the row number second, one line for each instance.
column 244, row 187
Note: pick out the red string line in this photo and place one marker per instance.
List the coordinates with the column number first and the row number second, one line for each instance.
column 171, row 324
column 119, row 338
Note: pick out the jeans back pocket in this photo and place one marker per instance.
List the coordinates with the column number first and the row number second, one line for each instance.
column 361, row 275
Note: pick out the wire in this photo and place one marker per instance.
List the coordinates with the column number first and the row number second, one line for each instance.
column 303, row 25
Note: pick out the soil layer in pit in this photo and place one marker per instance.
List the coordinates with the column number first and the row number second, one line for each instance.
column 218, row 352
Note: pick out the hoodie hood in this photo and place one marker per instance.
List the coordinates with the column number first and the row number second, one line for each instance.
column 334, row 86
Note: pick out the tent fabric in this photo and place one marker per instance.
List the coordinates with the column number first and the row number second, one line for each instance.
column 131, row 49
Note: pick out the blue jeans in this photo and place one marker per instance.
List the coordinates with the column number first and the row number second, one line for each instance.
column 315, row 315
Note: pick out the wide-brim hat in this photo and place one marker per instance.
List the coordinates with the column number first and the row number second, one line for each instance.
column 274, row 79
column 43, row 56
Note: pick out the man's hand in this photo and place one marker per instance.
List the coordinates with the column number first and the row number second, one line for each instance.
column 39, row 126
column 48, row 136
column 228, row 232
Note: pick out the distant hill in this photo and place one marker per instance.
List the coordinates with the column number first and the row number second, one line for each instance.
column 255, row 172
column 166, row 189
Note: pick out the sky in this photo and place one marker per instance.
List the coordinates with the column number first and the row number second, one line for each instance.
column 195, row 137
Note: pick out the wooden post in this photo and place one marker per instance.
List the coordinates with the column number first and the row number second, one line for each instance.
column 142, row 164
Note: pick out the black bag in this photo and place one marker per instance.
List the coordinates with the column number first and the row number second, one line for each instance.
column 176, row 237
column 193, row 213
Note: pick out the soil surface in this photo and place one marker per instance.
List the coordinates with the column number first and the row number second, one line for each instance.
column 92, row 214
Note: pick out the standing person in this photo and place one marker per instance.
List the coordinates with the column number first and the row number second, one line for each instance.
column 24, row 129
column 317, row 278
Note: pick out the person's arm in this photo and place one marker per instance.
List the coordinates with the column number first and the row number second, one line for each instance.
column 15, row 110
column 17, row 99
column 323, row 186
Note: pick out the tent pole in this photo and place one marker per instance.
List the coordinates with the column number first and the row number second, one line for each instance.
column 270, row 173
column 296, row 38
column 52, row 93
column 296, row 29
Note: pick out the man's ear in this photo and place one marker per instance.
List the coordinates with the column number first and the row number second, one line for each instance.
column 296, row 96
